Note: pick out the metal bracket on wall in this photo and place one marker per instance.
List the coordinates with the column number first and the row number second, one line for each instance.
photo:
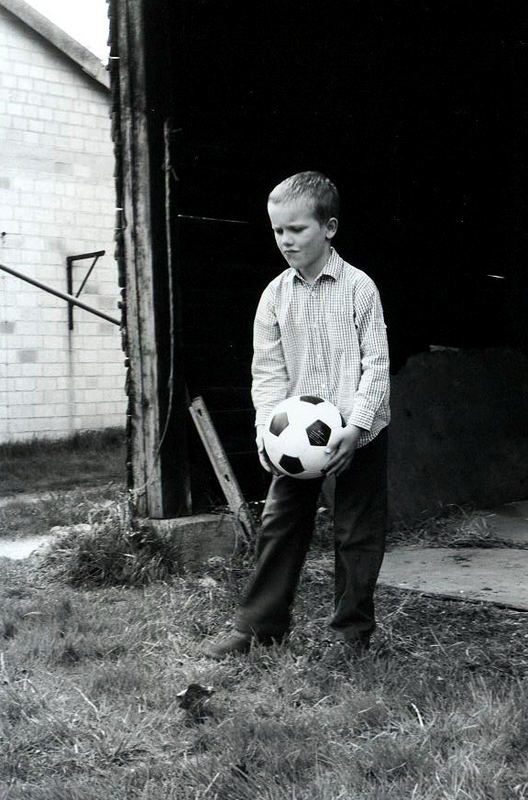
column 70, row 260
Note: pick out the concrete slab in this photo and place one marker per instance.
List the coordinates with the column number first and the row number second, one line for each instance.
column 199, row 537
column 491, row 575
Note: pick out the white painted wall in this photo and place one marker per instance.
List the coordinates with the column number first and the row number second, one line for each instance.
column 56, row 200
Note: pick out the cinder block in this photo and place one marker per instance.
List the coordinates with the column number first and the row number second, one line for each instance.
column 19, row 68
column 9, row 81
column 17, row 428
column 109, row 382
column 27, row 356
column 18, row 411
column 199, row 537
column 45, row 113
column 47, row 384
column 54, row 410
column 48, row 357
column 25, row 384
column 87, row 368
column 52, row 316
column 28, row 370
column 115, row 368
column 15, row 109
column 107, row 303
column 24, row 83
column 24, row 328
column 39, row 424
column 105, row 409
column 86, row 409
column 91, row 395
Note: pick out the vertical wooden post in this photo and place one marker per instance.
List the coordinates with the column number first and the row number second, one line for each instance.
column 156, row 385
column 140, row 320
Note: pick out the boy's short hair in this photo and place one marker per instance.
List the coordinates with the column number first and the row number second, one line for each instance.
column 313, row 186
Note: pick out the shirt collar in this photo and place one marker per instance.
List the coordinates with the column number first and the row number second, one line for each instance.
column 332, row 268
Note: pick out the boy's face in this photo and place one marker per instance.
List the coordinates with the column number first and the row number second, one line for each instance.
column 302, row 239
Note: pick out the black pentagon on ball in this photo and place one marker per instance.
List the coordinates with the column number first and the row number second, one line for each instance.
column 291, row 464
column 318, row 433
column 279, row 422
column 310, row 398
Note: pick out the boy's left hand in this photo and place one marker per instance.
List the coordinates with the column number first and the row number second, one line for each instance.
column 342, row 445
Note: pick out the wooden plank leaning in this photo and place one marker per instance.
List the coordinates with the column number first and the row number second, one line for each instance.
column 221, row 466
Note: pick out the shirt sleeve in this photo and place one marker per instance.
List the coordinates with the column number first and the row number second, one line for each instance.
column 374, row 384
column 270, row 376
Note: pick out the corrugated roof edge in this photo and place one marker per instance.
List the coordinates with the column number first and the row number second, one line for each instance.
column 84, row 58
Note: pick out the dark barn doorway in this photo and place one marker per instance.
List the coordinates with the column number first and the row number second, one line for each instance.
column 418, row 112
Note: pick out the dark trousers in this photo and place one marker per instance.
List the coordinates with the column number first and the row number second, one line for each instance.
column 360, row 520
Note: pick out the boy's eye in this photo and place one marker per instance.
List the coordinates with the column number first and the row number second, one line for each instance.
column 291, row 229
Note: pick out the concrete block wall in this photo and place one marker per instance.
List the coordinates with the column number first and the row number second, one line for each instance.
column 56, row 200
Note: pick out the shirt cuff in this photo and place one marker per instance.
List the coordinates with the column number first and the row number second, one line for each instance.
column 361, row 415
column 261, row 417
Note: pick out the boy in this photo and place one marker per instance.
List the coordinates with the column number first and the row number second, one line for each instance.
column 319, row 330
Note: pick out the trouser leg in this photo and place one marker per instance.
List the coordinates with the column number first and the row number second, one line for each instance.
column 286, row 532
column 360, row 522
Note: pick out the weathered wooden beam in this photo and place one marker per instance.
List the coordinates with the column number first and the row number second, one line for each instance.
column 221, row 466
column 140, row 318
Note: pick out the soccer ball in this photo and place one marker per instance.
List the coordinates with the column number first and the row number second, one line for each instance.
column 297, row 433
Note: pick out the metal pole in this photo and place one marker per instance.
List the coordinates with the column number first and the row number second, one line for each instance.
column 63, row 296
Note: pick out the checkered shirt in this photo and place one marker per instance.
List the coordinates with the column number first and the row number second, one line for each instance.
column 327, row 339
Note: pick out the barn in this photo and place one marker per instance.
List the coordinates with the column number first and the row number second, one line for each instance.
column 418, row 112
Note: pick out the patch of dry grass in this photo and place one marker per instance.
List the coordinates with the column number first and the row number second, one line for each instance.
column 453, row 526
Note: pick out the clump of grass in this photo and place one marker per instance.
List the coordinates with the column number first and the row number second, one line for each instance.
column 113, row 552
column 452, row 527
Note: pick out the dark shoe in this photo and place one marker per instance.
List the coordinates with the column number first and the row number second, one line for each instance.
column 236, row 642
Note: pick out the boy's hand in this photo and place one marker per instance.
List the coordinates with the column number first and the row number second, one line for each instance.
column 263, row 458
column 342, row 446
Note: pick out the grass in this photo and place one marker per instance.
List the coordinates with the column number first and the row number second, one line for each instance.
column 99, row 639
column 21, row 518
column 91, row 668
column 44, row 483
column 83, row 459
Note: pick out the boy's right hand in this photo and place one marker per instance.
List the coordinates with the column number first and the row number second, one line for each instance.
column 263, row 458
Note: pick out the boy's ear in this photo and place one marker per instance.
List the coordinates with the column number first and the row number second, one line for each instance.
column 331, row 227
